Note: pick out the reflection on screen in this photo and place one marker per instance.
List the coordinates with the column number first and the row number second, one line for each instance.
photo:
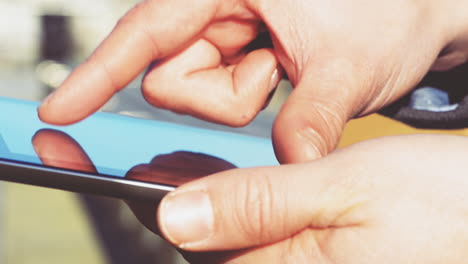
column 121, row 146
column 57, row 149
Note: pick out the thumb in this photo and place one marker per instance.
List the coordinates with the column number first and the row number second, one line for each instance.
column 244, row 208
column 311, row 121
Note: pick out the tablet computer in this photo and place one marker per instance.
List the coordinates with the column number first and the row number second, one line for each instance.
column 118, row 156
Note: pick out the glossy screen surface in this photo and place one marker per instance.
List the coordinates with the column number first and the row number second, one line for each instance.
column 116, row 145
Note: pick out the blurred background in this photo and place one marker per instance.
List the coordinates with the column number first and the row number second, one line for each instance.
column 41, row 41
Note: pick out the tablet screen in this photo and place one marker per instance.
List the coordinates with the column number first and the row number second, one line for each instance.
column 120, row 146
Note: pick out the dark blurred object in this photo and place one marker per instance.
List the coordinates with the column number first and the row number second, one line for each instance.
column 263, row 40
column 56, row 40
column 454, row 81
column 123, row 239
column 55, row 51
column 455, row 84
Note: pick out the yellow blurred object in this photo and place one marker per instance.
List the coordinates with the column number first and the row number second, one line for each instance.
column 46, row 226
column 374, row 126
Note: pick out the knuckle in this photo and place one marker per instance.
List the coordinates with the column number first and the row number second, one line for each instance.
column 153, row 94
column 128, row 20
column 256, row 216
column 135, row 25
column 239, row 114
column 113, row 81
column 249, row 113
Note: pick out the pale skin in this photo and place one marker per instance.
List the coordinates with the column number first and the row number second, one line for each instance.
column 345, row 59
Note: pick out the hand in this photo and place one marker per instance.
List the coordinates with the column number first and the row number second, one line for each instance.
column 391, row 200
column 344, row 58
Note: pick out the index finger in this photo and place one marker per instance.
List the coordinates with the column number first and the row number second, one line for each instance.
column 153, row 29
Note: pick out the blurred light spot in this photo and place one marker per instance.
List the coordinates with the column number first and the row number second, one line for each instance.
column 138, row 114
column 52, row 73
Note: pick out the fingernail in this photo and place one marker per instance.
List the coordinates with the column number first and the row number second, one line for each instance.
column 310, row 147
column 43, row 106
column 187, row 217
column 275, row 78
column 48, row 99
